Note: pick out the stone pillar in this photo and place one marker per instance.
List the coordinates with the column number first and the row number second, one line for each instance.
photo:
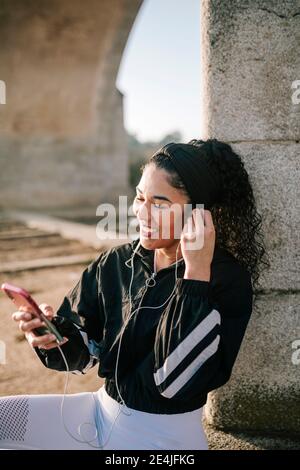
column 63, row 143
column 251, row 60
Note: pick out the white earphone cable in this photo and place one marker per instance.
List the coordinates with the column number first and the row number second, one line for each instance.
column 151, row 282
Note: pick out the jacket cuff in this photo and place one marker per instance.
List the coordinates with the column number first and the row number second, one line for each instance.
column 75, row 350
column 48, row 356
column 192, row 287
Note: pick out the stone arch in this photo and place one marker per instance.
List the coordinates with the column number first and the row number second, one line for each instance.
column 62, row 132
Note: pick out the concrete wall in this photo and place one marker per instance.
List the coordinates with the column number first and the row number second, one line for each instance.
column 250, row 54
column 62, row 139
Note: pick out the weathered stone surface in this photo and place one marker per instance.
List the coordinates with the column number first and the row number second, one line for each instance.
column 274, row 171
column 250, row 55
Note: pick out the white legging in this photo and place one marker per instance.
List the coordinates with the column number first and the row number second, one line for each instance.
column 35, row 422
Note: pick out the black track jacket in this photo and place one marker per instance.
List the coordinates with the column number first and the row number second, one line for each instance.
column 171, row 357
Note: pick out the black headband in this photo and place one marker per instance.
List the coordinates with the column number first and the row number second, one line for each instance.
column 195, row 167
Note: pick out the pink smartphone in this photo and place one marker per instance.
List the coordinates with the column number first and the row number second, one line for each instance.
column 22, row 298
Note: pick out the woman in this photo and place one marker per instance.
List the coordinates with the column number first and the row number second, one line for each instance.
column 164, row 316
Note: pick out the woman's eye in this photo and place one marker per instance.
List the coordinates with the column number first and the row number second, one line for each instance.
column 160, row 205
column 157, row 205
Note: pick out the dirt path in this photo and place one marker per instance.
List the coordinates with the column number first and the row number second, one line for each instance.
column 23, row 372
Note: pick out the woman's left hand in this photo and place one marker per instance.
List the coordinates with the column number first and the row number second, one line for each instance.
column 197, row 245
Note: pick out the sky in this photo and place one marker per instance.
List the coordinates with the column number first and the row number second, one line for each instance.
column 159, row 73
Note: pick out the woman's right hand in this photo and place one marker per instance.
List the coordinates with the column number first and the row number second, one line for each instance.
column 28, row 322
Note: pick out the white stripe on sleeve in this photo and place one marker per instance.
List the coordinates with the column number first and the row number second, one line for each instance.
column 185, row 376
column 186, row 346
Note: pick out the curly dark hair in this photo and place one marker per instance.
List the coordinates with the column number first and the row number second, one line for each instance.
column 236, row 220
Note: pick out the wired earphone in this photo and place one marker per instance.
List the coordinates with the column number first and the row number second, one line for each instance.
column 150, row 282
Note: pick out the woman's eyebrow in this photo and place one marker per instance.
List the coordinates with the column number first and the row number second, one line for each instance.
column 156, row 196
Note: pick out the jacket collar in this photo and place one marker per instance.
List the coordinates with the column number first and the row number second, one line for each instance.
column 146, row 255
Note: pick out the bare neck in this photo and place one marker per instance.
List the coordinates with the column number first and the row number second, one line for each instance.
column 164, row 257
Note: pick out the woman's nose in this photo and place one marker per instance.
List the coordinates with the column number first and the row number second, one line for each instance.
column 144, row 213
